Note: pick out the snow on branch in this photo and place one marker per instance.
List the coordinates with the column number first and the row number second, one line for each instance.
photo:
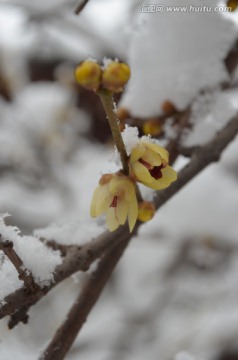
column 79, row 258
column 33, row 260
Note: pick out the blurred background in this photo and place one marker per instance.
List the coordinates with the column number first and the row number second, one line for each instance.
column 174, row 295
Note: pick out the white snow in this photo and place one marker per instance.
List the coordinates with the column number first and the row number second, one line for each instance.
column 154, row 307
column 35, row 255
column 130, row 136
column 173, row 55
column 209, row 113
column 71, row 231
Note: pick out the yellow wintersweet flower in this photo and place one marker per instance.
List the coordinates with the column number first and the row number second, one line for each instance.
column 148, row 164
column 115, row 196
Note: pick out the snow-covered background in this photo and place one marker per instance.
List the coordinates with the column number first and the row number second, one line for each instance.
column 174, row 295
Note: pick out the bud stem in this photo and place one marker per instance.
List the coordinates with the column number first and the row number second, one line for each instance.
column 108, row 104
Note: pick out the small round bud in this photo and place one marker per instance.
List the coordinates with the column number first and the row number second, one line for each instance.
column 115, row 76
column 88, row 74
column 232, row 4
column 146, row 211
column 152, row 127
column 168, row 107
column 123, row 114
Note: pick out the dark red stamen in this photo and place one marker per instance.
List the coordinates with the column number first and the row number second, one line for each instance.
column 156, row 172
column 146, row 164
column 114, row 202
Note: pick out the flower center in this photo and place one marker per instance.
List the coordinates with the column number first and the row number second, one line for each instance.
column 155, row 171
column 114, row 202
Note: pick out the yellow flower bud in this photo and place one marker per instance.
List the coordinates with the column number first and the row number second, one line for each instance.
column 232, row 4
column 146, row 211
column 168, row 107
column 115, row 76
column 152, row 127
column 88, row 74
column 123, row 114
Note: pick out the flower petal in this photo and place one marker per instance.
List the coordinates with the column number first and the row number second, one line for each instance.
column 133, row 212
column 111, row 221
column 169, row 173
column 122, row 211
column 151, row 157
column 168, row 176
column 102, row 199
column 122, row 186
column 141, row 172
column 137, row 152
column 159, row 150
column 94, row 201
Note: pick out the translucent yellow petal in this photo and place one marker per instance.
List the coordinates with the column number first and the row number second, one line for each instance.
column 104, row 200
column 94, row 201
column 159, row 150
column 133, row 212
column 111, row 221
column 129, row 190
column 137, row 152
column 168, row 176
column 141, row 172
column 122, row 211
column 152, row 157
column 158, row 184
column 122, row 187
column 169, row 173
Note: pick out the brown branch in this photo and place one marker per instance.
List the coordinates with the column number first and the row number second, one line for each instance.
column 231, row 60
column 80, row 6
column 77, row 259
column 80, row 259
column 173, row 145
column 23, row 274
column 88, row 296
column 201, row 158
column 108, row 105
column 86, row 299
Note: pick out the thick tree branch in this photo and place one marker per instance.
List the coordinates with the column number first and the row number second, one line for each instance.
column 88, row 296
column 86, row 299
column 201, row 158
column 77, row 259
column 80, row 259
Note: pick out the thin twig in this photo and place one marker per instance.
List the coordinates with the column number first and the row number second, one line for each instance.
column 80, row 6
column 173, row 145
column 24, row 274
column 231, row 59
column 109, row 107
